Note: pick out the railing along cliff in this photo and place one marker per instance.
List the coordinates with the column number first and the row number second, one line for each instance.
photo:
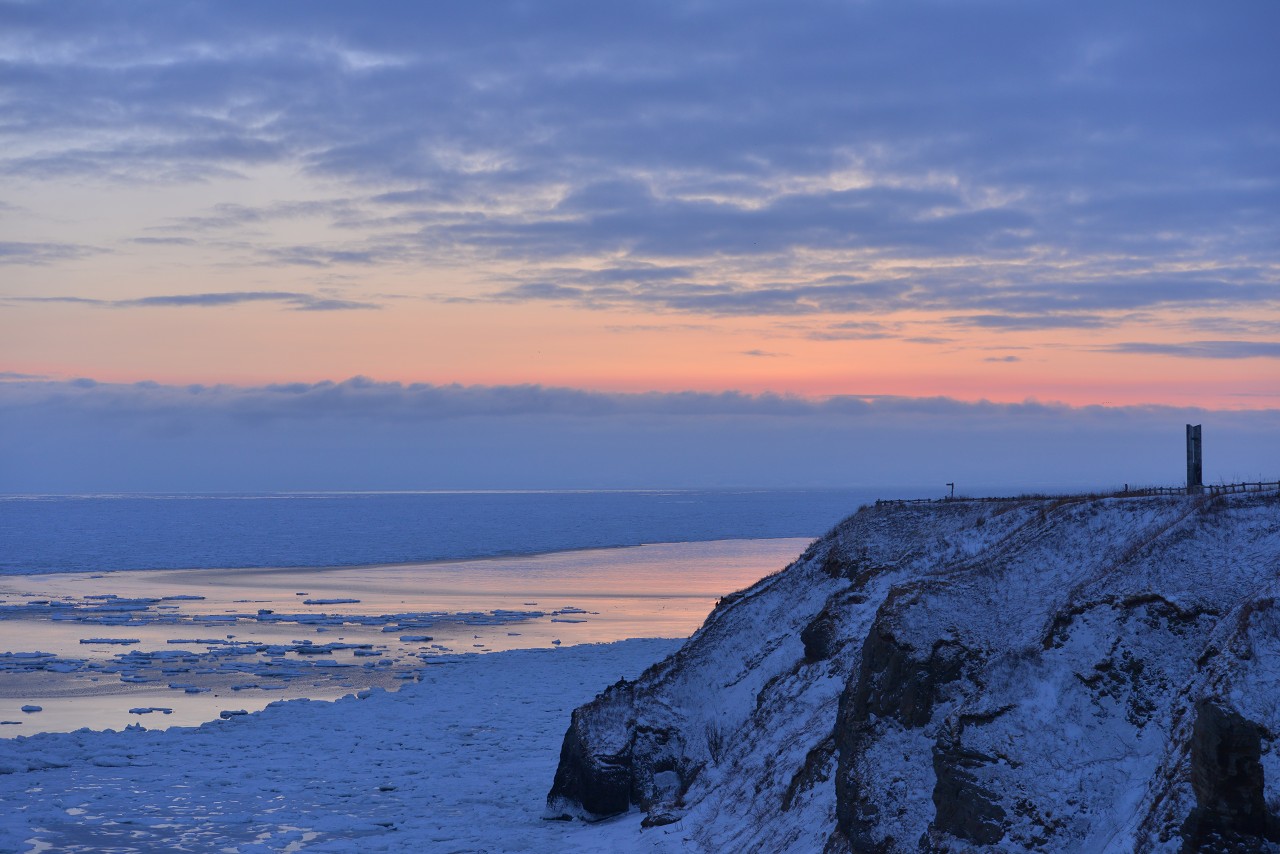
column 1141, row 492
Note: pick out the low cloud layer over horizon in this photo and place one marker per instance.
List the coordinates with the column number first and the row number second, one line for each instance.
column 87, row 436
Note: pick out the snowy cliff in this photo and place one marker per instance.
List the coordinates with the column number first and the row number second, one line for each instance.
column 1058, row 675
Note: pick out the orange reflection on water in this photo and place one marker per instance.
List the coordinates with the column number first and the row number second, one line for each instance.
column 602, row 595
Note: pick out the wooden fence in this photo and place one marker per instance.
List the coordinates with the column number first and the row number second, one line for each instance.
column 1207, row 489
column 1141, row 492
column 1226, row 488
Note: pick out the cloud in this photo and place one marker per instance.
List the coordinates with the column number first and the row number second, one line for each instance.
column 298, row 302
column 164, row 241
column 361, row 434
column 295, row 301
column 361, row 399
column 601, row 220
column 662, row 327
column 1250, row 325
column 228, row 216
column 1038, row 299
column 43, row 253
column 15, row 375
column 1002, row 359
column 974, row 159
column 763, row 354
column 1203, row 349
column 1022, row 323
column 312, row 256
column 852, row 330
column 833, row 294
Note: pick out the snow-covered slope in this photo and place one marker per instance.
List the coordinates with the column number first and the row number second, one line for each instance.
column 1059, row 675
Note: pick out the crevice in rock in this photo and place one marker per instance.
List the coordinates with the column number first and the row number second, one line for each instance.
column 815, row 770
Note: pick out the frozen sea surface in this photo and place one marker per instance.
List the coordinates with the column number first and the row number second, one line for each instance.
column 460, row 761
column 179, row 647
column 112, row 532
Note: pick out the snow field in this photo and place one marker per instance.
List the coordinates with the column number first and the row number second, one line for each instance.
column 460, row 761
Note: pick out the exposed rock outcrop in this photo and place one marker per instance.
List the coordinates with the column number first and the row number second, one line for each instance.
column 819, row 638
column 1061, row 675
column 596, row 781
column 1228, row 781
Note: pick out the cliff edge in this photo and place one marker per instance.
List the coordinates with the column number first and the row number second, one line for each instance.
column 1052, row 675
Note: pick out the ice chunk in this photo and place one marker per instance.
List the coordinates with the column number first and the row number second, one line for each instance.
column 110, row 761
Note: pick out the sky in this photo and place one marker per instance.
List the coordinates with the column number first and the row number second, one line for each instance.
column 572, row 244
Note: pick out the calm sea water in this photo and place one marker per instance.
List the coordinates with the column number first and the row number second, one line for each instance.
column 113, row 532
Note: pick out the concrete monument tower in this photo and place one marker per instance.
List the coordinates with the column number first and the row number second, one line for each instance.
column 1195, row 463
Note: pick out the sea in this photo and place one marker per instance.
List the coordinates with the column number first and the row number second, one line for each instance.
column 96, row 533
column 174, row 610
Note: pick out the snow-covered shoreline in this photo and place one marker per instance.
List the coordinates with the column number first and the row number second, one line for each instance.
column 460, row 761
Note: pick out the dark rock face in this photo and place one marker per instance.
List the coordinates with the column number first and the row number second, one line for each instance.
column 648, row 770
column 814, row 771
column 836, row 565
column 592, row 783
column 1227, row 777
column 819, row 638
column 965, row 809
column 899, row 681
column 857, row 816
